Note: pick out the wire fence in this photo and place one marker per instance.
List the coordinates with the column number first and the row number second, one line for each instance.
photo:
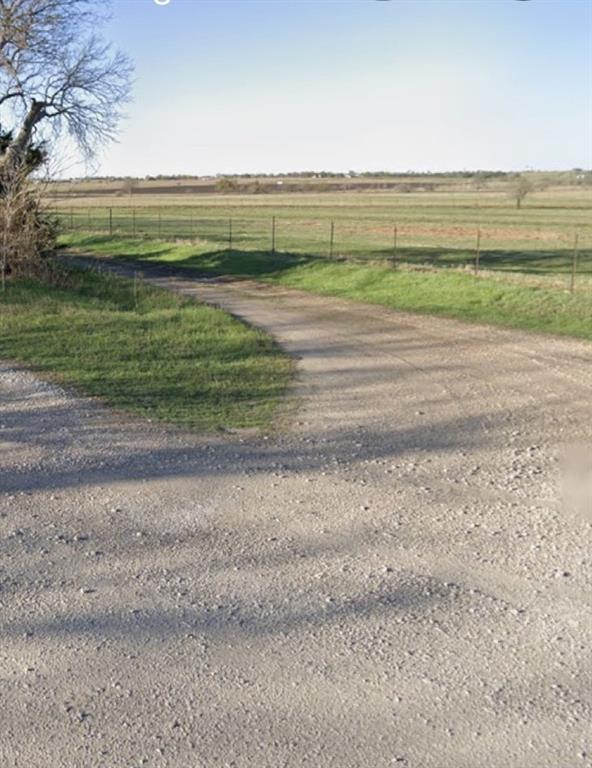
column 558, row 258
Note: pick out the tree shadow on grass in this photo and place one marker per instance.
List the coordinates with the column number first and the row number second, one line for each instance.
column 241, row 262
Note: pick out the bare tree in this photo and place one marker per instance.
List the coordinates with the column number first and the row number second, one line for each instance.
column 226, row 185
column 522, row 187
column 129, row 186
column 57, row 77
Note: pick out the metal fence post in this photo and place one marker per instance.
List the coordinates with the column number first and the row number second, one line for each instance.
column 332, row 240
column 135, row 291
column 394, row 241
column 478, row 251
column 273, row 235
column 229, row 234
column 574, row 263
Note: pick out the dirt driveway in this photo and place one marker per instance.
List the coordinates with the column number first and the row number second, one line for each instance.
column 391, row 581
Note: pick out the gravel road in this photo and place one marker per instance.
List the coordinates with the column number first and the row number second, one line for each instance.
column 390, row 580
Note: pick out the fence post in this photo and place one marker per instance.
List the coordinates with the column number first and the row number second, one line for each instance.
column 273, row 235
column 110, row 221
column 192, row 225
column 230, row 234
column 159, row 223
column 478, row 251
column 395, row 232
column 574, row 263
column 134, row 222
column 332, row 240
column 71, row 218
column 135, row 291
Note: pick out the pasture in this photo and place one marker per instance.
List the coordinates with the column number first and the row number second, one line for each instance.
column 454, row 225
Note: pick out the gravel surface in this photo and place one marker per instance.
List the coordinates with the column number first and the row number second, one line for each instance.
column 391, row 580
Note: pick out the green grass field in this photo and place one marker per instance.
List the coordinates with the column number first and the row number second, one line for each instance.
column 435, row 228
column 493, row 300
column 145, row 351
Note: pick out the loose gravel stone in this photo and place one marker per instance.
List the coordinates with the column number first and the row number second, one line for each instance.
column 360, row 587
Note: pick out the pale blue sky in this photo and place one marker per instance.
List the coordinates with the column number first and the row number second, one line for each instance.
column 229, row 86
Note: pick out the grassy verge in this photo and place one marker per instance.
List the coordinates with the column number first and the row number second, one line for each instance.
column 145, row 351
column 441, row 292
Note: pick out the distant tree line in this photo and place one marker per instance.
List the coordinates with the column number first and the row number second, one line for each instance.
column 574, row 176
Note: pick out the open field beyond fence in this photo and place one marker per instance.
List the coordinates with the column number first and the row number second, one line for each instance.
column 549, row 238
